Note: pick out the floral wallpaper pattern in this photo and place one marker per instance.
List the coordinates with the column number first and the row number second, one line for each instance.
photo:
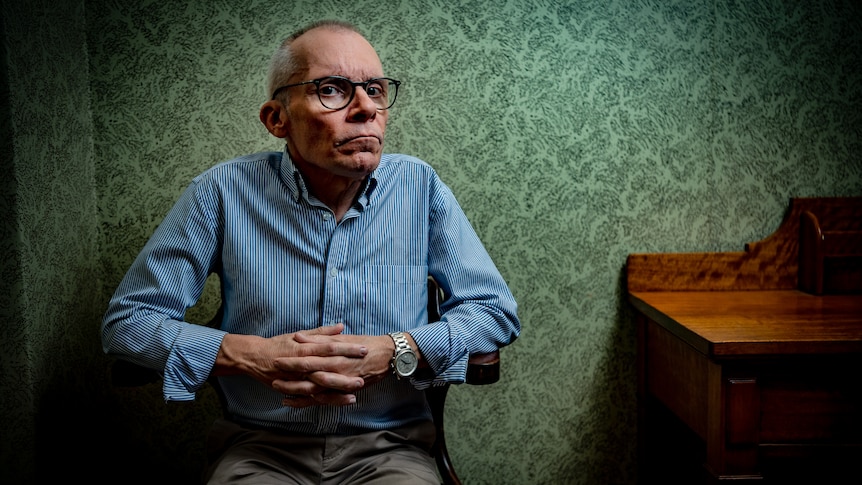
column 573, row 132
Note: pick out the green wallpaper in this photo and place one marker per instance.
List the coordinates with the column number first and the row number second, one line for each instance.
column 572, row 132
column 51, row 287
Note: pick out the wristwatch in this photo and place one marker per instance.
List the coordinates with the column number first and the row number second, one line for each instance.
column 404, row 361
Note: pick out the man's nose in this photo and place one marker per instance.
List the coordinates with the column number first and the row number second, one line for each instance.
column 362, row 106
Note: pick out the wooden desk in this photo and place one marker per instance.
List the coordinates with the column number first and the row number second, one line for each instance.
column 741, row 376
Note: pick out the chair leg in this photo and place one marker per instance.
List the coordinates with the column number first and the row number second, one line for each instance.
column 437, row 400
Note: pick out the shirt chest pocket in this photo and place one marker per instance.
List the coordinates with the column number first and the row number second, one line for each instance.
column 395, row 298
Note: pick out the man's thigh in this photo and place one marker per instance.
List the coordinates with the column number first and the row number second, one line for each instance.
column 382, row 457
column 240, row 455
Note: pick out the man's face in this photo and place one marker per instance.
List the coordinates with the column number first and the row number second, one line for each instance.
column 348, row 142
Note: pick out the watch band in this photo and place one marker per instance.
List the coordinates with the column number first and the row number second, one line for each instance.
column 401, row 343
column 404, row 360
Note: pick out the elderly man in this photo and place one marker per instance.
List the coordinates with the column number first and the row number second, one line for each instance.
column 323, row 252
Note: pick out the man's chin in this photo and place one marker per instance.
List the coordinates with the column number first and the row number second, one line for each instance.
column 361, row 163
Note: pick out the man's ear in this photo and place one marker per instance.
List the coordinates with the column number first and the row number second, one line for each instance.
column 274, row 117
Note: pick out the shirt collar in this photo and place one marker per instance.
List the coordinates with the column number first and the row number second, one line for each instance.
column 292, row 178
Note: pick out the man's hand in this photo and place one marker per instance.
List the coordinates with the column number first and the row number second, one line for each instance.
column 326, row 378
column 330, row 361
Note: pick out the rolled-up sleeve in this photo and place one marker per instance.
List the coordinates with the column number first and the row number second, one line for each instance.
column 479, row 312
column 144, row 319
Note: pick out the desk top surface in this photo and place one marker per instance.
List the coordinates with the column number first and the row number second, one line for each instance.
column 762, row 322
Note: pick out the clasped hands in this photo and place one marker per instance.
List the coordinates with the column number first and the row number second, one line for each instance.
column 322, row 366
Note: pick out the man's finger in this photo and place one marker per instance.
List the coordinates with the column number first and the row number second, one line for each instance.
column 330, row 348
column 296, row 388
column 318, row 382
column 306, row 365
column 339, row 382
column 325, row 330
column 334, row 399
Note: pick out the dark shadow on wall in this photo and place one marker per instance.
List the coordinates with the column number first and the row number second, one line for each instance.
column 618, row 425
column 611, row 433
column 105, row 435
column 16, row 463
column 89, row 428
column 615, row 394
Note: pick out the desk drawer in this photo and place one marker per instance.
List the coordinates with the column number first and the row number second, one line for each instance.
column 816, row 407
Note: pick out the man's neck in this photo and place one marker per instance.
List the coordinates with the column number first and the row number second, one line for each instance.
column 336, row 192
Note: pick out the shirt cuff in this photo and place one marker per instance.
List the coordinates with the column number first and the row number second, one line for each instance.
column 190, row 361
column 449, row 364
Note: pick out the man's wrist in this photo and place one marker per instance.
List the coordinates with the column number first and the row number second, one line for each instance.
column 405, row 360
column 231, row 359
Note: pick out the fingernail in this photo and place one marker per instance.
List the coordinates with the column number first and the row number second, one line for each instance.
column 352, row 399
column 363, row 350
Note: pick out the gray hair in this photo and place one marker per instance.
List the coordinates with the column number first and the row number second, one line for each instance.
column 284, row 63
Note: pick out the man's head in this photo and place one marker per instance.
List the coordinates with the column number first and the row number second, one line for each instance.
column 346, row 142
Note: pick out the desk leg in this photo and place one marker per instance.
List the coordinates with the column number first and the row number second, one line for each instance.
column 669, row 452
column 733, row 421
column 640, row 325
column 696, row 423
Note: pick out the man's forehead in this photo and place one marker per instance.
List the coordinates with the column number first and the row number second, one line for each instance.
column 343, row 53
column 354, row 72
column 321, row 42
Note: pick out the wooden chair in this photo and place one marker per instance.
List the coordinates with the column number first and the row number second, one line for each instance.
column 482, row 369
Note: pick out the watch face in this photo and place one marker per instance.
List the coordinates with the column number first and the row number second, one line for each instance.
column 406, row 363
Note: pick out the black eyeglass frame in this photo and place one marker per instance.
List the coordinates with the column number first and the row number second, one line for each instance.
column 353, row 84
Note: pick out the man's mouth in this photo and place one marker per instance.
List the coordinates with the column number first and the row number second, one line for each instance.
column 360, row 138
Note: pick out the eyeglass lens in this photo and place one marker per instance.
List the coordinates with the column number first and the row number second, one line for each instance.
column 337, row 92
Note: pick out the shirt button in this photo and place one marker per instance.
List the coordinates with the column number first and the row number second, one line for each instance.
column 333, row 272
column 327, row 216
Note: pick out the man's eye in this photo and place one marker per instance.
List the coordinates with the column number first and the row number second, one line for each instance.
column 375, row 90
column 330, row 90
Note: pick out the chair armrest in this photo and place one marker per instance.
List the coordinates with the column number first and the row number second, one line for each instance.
column 127, row 374
column 483, row 369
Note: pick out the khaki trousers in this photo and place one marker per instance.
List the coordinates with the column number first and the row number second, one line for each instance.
column 241, row 455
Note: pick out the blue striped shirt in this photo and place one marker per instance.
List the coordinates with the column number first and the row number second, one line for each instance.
column 286, row 265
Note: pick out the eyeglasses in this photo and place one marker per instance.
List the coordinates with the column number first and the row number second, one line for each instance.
column 336, row 92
